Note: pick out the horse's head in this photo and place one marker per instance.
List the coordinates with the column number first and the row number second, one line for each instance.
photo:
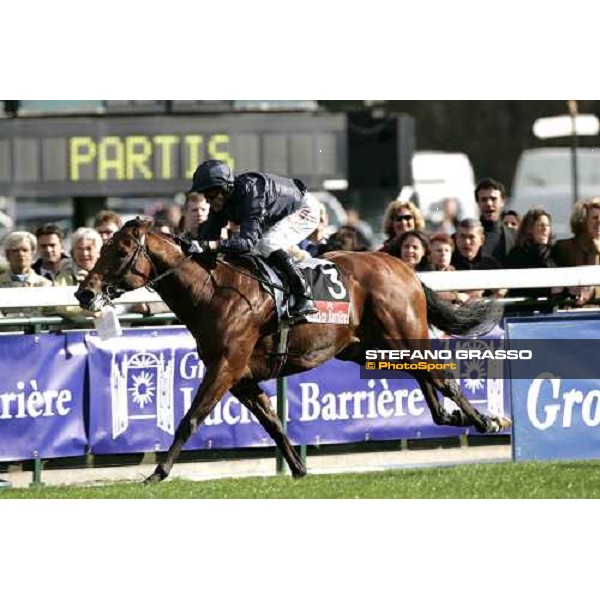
column 124, row 264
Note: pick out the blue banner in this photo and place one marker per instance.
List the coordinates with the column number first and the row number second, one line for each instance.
column 142, row 383
column 556, row 416
column 42, row 396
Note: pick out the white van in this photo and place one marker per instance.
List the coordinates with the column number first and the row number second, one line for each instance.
column 543, row 178
column 438, row 175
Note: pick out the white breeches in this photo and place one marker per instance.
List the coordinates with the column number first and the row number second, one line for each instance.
column 291, row 229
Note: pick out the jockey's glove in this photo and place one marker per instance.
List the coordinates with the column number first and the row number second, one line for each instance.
column 199, row 247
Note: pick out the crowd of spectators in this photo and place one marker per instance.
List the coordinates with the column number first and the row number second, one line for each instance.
column 500, row 238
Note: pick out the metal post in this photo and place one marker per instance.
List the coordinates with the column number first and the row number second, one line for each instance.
column 574, row 175
column 36, row 480
column 281, row 466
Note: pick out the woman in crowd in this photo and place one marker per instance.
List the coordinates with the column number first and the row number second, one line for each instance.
column 400, row 217
column 86, row 244
column 441, row 247
column 532, row 249
column 19, row 248
column 346, row 237
column 412, row 247
column 584, row 247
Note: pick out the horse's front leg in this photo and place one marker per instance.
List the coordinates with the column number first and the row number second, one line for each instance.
column 217, row 380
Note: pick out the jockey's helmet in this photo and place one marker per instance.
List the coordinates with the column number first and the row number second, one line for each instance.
column 210, row 174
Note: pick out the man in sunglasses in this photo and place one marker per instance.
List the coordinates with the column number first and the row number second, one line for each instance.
column 273, row 213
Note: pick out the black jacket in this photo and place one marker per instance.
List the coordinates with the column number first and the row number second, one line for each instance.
column 531, row 256
column 259, row 200
column 499, row 240
column 481, row 262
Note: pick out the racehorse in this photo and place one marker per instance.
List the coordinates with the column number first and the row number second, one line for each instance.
column 234, row 323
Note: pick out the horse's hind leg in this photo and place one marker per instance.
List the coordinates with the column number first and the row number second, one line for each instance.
column 448, row 386
column 252, row 396
column 439, row 414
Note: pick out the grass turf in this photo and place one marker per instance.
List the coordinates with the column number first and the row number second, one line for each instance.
column 498, row 480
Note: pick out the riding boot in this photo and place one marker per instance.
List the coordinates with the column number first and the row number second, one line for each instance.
column 303, row 305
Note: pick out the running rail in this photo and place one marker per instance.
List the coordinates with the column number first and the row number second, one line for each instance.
column 38, row 297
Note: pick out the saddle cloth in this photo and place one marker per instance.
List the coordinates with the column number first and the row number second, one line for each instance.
column 324, row 283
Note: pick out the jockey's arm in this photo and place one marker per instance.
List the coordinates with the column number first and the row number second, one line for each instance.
column 251, row 226
column 250, row 233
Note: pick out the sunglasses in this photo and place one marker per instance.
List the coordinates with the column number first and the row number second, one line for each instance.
column 399, row 218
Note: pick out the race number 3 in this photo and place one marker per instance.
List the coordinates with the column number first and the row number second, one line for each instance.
column 334, row 286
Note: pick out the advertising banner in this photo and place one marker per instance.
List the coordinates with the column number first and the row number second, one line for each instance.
column 556, row 398
column 42, row 396
column 142, row 383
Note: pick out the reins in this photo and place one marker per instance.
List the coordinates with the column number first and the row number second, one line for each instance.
column 113, row 290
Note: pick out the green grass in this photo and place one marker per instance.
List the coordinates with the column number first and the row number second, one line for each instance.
column 501, row 480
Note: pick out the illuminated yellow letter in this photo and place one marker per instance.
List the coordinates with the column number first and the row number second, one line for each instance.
column 192, row 143
column 166, row 143
column 116, row 162
column 82, row 152
column 223, row 155
column 139, row 151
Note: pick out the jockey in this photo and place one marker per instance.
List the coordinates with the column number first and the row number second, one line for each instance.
column 273, row 213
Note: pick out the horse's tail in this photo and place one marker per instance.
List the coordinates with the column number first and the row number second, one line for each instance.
column 472, row 319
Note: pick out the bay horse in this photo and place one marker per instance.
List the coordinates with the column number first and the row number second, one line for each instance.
column 234, row 323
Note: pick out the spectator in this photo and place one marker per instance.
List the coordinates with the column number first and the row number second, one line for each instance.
column 450, row 219
column 584, row 247
column 511, row 219
column 441, row 248
column 412, row 248
column 364, row 231
column 400, row 216
column 86, row 244
column 346, row 238
column 195, row 212
column 316, row 243
column 19, row 247
column 532, row 248
column 107, row 223
column 499, row 239
column 52, row 258
column 169, row 216
column 469, row 254
column 162, row 226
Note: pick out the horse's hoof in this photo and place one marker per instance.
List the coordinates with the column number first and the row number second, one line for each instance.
column 156, row 477
column 498, row 424
column 299, row 473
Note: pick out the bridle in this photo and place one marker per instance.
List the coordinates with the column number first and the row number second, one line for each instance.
column 116, row 288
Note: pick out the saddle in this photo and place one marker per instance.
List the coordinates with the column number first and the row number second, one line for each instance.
column 325, row 285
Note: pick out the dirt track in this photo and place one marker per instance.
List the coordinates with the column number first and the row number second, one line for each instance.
column 197, row 471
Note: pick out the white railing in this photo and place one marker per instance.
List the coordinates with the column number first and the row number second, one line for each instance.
column 439, row 281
